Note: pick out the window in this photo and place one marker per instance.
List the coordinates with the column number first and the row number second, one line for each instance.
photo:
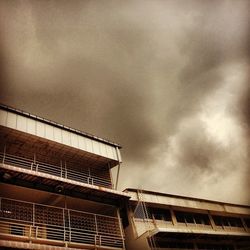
column 214, row 247
column 227, row 221
column 160, row 214
column 196, row 218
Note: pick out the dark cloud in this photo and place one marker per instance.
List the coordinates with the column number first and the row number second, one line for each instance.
column 132, row 72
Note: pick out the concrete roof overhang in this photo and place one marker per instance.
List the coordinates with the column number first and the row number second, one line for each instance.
column 20, row 129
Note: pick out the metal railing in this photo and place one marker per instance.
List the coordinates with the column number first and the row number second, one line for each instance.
column 32, row 221
column 56, row 170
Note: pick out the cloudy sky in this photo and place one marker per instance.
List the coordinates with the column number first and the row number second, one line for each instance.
column 168, row 80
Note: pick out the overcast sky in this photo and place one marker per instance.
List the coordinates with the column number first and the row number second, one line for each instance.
column 168, row 80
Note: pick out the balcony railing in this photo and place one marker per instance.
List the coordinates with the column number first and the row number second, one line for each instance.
column 56, row 170
column 34, row 222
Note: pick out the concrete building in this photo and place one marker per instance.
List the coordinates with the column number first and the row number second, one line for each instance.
column 163, row 221
column 56, row 187
column 57, row 192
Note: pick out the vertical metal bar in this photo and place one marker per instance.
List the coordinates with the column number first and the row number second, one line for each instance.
column 117, row 175
column 119, row 166
column 69, row 226
column 173, row 217
column 66, row 171
column 34, row 163
column 4, row 152
column 33, row 214
column 120, row 227
column 89, row 174
column 211, row 221
column 111, row 177
column 64, row 225
column 61, row 165
column 30, row 232
column 96, row 227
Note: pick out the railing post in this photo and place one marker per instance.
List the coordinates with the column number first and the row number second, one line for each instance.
column 173, row 217
column 111, row 177
column 61, row 168
column 36, row 232
column 211, row 220
column 120, row 227
column 66, row 171
column 64, row 231
column 96, row 227
column 33, row 214
column 30, row 232
column 69, row 226
column 89, row 175
column 34, row 162
column 4, row 152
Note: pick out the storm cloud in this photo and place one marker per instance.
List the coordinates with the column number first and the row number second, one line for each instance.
column 168, row 80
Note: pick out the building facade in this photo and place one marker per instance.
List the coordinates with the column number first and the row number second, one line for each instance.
column 56, row 186
column 57, row 192
column 163, row 221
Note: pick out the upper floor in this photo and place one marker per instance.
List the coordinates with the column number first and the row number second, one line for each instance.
column 58, row 158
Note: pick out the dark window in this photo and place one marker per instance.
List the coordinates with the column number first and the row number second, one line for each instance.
column 180, row 216
column 173, row 244
column 160, row 214
column 186, row 217
column 214, row 247
column 201, row 219
column 227, row 221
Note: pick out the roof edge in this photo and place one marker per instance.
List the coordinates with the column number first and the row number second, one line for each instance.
column 184, row 197
column 58, row 125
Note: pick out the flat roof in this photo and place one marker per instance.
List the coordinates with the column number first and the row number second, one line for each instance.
column 183, row 197
column 49, row 122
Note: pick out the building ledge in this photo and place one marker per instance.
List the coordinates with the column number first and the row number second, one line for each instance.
column 30, row 178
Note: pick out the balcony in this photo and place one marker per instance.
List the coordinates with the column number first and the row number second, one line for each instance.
column 49, row 225
column 84, row 176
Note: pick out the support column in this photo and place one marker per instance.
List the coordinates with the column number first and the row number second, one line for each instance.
column 121, row 227
column 211, row 221
column 4, row 152
column 174, row 220
column 119, row 166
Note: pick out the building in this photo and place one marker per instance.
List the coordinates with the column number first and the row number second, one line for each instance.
column 57, row 193
column 56, row 187
column 163, row 221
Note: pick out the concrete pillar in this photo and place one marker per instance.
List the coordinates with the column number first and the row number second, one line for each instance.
column 174, row 220
column 211, row 221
